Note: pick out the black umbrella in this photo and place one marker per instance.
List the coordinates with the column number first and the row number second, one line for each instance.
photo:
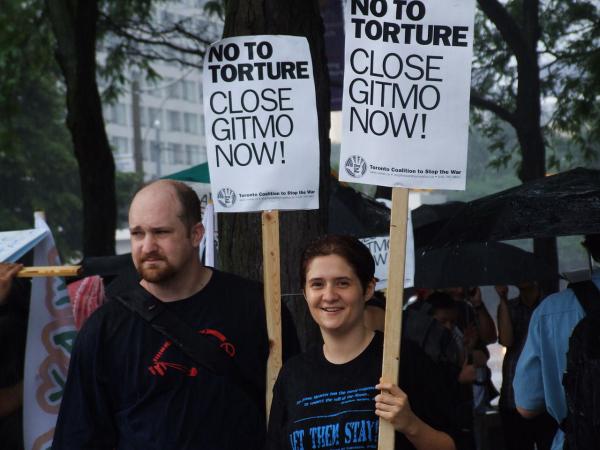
column 353, row 213
column 428, row 220
column 477, row 264
column 559, row 205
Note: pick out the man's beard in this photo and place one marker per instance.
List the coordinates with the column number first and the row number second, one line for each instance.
column 156, row 273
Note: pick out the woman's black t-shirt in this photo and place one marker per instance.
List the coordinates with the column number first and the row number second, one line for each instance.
column 320, row 405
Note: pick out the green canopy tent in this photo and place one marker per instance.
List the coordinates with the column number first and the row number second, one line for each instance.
column 194, row 174
column 198, row 178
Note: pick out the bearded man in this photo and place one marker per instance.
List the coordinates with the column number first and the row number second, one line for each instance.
column 131, row 387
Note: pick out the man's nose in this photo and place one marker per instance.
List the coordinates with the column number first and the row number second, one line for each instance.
column 149, row 243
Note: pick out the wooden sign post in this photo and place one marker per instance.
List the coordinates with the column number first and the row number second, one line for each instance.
column 49, row 271
column 272, row 297
column 393, row 307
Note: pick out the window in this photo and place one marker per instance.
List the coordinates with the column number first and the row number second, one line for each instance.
column 191, row 154
column 173, row 120
column 201, row 125
column 155, row 150
column 116, row 113
column 175, row 153
column 151, row 87
column 120, row 145
column 145, row 150
column 190, row 122
column 174, row 88
column 189, row 90
column 144, row 117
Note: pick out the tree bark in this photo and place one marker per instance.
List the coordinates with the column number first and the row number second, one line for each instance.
column 240, row 244
column 74, row 26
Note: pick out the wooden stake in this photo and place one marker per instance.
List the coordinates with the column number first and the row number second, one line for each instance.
column 393, row 306
column 272, row 294
column 49, row 271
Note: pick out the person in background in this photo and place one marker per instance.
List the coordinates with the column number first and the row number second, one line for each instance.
column 326, row 397
column 474, row 330
column 473, row 316
column 513, row 321
column 542, row 363
column 13, row 332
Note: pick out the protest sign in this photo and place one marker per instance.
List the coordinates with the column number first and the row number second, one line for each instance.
column 379, row 247
column 14, row 244
column 50, row 336
column 260, row 114
column 406, row 93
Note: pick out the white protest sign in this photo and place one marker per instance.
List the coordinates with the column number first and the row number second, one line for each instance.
column 261, row 124
column 380, row 248
column 406, row 93
column 14, row 244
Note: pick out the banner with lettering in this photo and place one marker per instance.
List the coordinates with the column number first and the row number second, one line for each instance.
column 50, row 336
column 260, row 114
column 380, row 248
column 407, row 82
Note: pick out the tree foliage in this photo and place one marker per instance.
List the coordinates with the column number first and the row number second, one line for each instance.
column 38, row 170
column 537, row 65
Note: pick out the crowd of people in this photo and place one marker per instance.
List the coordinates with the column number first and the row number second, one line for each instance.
column 177, row 359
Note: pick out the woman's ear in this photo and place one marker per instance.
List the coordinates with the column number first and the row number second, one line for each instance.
column 370, row 290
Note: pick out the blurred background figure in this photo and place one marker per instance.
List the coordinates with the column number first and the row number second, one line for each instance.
column 14, row 296
column 513, row 321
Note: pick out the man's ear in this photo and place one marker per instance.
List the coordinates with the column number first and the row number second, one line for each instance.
column 196, row 234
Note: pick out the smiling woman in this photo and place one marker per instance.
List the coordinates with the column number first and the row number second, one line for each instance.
column 327, row 397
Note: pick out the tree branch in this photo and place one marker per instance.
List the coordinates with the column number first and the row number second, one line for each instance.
column 480, row 102
column 506, row 25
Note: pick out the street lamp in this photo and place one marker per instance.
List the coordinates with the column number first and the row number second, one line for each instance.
column 156, row 126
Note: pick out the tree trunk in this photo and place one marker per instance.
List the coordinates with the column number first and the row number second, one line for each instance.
column 522, row 38
column 529, row 128
column 74, row 26
column 240, row 248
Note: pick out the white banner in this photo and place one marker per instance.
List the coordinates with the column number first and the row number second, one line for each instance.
column 50, row 336
column 406, row 93
column 14, row 244
column 207, row 245
column 260, row 113
column 380, row 248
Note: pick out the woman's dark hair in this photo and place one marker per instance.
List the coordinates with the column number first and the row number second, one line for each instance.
column 356, row 254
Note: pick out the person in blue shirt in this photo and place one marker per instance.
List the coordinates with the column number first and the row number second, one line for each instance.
column 538, row 377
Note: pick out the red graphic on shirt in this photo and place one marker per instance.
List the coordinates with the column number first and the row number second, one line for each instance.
column 160, row 367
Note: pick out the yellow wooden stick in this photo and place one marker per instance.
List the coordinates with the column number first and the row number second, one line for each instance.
column 393, row 305
column 49, row 271
column 272, row 295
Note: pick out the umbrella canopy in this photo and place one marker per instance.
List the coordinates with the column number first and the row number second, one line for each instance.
column 559, row 205
column 477, row 264
column 428, row 220
column 194, row 174
column 353, row 213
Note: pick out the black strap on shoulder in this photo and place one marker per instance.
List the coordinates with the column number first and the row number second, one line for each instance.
column 195, row 345
column 588, row 295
